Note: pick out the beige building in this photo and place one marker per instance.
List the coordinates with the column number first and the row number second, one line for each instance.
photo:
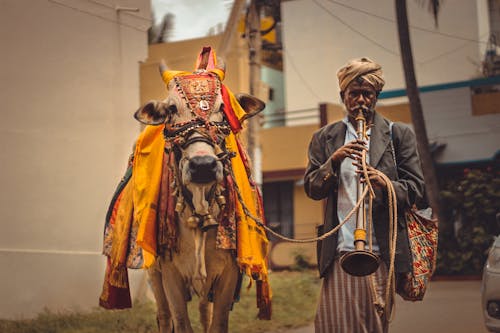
column 69, row 86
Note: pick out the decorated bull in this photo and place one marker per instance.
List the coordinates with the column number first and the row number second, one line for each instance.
column 187, row 209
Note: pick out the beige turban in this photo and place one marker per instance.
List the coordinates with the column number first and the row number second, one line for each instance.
column 370, row 71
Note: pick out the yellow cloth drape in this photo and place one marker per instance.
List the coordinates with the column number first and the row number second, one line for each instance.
column 237, row 109
column 252, row 243
column 146, row 177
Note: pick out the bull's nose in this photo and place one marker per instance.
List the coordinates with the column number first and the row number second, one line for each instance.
column 203, row 169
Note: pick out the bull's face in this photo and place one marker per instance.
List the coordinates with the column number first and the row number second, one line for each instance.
column 194, row 124
column 195, row 128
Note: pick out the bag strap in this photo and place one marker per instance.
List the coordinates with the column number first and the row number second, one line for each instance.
column 393, row 151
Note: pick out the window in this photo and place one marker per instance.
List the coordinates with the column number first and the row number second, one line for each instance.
column 278, row 206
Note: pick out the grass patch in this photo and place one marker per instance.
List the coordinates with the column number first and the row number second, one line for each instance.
column 295, row 296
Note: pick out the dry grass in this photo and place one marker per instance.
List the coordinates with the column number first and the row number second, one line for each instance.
column 294, row 303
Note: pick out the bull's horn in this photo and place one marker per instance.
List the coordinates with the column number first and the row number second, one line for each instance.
column 220, row 68
column 162, row 67
column 167, row 74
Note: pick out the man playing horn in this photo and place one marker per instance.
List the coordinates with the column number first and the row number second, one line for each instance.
column 356, row 303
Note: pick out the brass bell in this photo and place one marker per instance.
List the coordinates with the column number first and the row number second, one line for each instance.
column 179, row 206
column 221, row 200
column 208, row 221
column 193, row 222
column 217, row 150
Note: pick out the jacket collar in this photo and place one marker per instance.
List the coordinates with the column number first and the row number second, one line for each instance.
column 379, row 139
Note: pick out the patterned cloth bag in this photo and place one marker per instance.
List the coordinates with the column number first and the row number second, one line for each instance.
column 423, row 238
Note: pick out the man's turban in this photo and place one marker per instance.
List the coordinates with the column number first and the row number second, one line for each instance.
column 370, row 71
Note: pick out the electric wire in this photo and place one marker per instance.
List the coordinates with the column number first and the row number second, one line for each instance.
column 418, row 62
column 301, row 77
column 410, row 26
column 60, row 3
column 356, row 31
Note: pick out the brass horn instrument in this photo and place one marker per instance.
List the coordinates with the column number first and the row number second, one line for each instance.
column 360, row 262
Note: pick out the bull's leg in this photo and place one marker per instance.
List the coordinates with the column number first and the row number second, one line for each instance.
column 205, row 307
column 223, row 273
column 224, row 289
column 176, row 292
column 163, row 316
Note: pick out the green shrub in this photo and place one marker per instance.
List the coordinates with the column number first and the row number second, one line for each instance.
column 470, row 203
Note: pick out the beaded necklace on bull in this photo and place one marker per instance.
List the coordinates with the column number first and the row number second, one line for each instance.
column 199, row 92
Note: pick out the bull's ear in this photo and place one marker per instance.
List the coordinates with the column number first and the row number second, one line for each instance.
column 252, row 105
column 153, row 113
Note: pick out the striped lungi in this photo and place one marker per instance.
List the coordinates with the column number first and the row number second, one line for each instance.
column 346, row 302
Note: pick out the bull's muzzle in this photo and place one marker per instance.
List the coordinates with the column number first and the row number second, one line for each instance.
column 203, row 169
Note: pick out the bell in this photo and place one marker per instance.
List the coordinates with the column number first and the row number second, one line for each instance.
column 193, row 222
column 179, row 206
column 221, row 200
column 218, row 151
column 208, row 221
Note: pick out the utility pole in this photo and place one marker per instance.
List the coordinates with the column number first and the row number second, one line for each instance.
column 231, row 26
column 252, row 33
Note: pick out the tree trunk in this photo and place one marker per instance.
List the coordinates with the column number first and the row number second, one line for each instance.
column 417, row 115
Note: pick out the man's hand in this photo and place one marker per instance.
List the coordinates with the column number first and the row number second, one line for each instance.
column 352, row 149
column 375, row 179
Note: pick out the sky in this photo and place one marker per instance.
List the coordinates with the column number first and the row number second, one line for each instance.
column 193, row 18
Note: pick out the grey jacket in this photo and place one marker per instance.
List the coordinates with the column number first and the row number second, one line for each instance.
column 321, row 181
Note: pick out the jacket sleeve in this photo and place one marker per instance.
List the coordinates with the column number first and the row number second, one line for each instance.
column 410, row 186
column 321, row 173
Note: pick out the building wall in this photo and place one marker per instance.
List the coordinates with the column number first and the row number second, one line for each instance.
column 275, row 107
column 450, row 120
column 69, row 87
column 320, row 36
column 182, row 56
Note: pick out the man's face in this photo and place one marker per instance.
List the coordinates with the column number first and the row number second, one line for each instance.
column 360, row 94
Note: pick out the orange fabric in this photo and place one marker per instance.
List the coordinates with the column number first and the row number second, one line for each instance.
column 121, row 231
column 146, row 178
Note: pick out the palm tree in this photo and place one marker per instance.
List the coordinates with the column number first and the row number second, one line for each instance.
column 162, row 32
column 415, row 104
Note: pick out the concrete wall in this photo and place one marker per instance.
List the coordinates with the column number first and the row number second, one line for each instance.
column 70, row 84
